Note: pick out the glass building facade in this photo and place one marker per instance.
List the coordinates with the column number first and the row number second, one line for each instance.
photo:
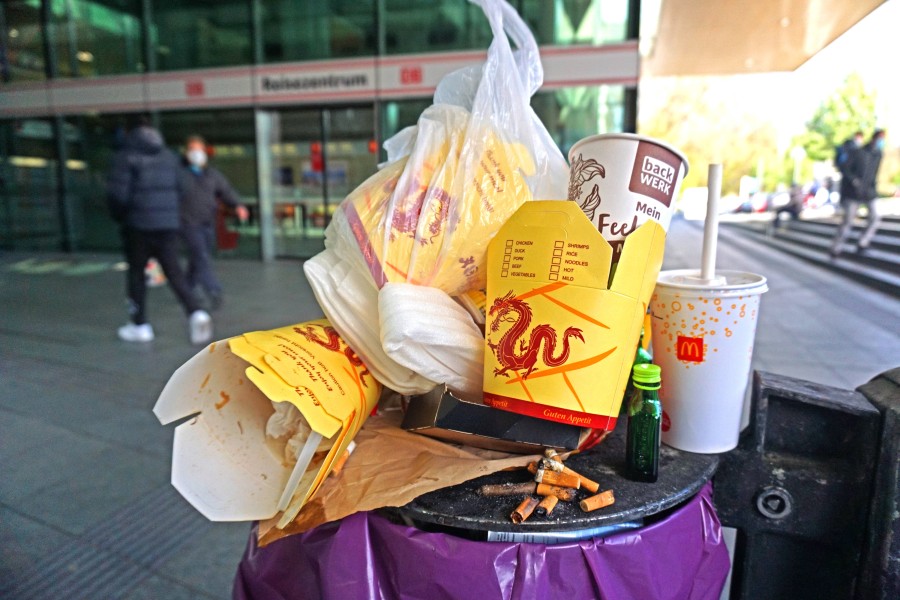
column 294, row 98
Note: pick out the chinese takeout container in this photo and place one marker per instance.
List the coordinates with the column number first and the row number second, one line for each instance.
column 223, row 462
column 560, row 340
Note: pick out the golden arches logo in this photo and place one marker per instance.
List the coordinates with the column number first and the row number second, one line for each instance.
column 689, row 349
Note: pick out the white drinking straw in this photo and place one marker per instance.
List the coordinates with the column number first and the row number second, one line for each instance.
column 711, row 226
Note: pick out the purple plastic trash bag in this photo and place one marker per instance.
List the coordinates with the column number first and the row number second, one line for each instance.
column 366, row 557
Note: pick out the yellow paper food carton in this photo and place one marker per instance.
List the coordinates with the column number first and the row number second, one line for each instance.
column 426, row 218
column 560, row 343
column 224, row 463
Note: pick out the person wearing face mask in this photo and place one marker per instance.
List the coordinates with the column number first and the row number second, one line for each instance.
column 863, row 171
column 143, row 191
column 203, row 187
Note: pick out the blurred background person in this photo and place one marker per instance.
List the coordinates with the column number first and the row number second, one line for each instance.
column 203, row 188
column 144, row 196
column 872, row 153
column 860, row 189
column 845, row 150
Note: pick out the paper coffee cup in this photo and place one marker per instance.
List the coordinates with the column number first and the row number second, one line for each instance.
column 621, row 180
column 703, row 341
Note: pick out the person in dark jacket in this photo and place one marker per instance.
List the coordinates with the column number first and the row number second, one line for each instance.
column 203, row 187
column 144, row 196
column 844, row 150
column 844, row 165
column 861, row 175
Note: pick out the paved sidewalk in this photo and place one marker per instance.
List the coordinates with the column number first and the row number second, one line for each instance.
column 84, row 488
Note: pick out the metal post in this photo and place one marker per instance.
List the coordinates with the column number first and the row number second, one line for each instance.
column 64, row 209
column 72, row 42
column 325, row 116
column 633, row 27
column 256, row 32
column 5, row 74
column 632, row 32
column 267, row 133
column 380, row 50
column 147, row 30
column 63, row 187
column 629, row 116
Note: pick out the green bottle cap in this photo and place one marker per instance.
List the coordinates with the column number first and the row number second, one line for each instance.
column 646, row 373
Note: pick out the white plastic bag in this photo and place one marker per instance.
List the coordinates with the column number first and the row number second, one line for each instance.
column 425, row 330
column 427, row 216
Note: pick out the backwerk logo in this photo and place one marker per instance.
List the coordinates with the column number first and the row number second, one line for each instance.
column 654, row 173
column 689, row 349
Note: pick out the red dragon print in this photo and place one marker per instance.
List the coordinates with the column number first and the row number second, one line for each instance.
column 509, row 309
column 333, row 343
column 406, row 214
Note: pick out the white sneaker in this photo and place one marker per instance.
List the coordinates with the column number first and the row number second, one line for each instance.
column 136, row 333
column 200, row 325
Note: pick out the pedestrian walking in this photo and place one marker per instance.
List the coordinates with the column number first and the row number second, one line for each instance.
column 843, row 152
column 203, row 187
column 859, row 188
column 144, row 196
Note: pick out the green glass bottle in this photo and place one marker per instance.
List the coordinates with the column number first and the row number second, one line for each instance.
column 644, row 424
column 641, row 357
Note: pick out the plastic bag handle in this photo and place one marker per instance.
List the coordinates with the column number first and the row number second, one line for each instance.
column 505, row 21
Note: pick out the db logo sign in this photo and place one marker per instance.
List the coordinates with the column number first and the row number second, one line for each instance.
column 194, row 87
column 689, row 349
column 410, row 75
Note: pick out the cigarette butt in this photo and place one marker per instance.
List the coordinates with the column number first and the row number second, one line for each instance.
column 524, row 510
column 546, row 505
column 598, row 501
column 588, row 484
column 560, row 479
column 551, row 453
column 553, row 465
column 532, row 467
column 539, row 474
column 564, row 494
column 507, row 489
column 339, row 463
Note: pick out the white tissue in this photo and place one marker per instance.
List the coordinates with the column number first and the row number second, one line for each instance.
column 349, row 299
column 426, row 331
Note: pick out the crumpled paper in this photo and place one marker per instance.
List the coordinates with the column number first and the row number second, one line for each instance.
column 390, row 467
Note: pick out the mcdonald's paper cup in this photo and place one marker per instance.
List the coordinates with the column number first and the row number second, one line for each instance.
column 621, row 180
column 703, row 341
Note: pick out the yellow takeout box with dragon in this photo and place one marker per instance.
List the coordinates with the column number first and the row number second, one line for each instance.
column 560, row 337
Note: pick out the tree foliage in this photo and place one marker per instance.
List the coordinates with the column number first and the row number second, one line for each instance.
column 850, row 108
column 745, row 140
column 710, row 132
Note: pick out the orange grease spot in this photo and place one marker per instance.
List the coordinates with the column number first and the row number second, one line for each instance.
column 212, row 347
column 205, row 381
column 225, row 399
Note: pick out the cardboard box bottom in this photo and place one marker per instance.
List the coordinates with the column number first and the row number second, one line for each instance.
column 439, row 414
